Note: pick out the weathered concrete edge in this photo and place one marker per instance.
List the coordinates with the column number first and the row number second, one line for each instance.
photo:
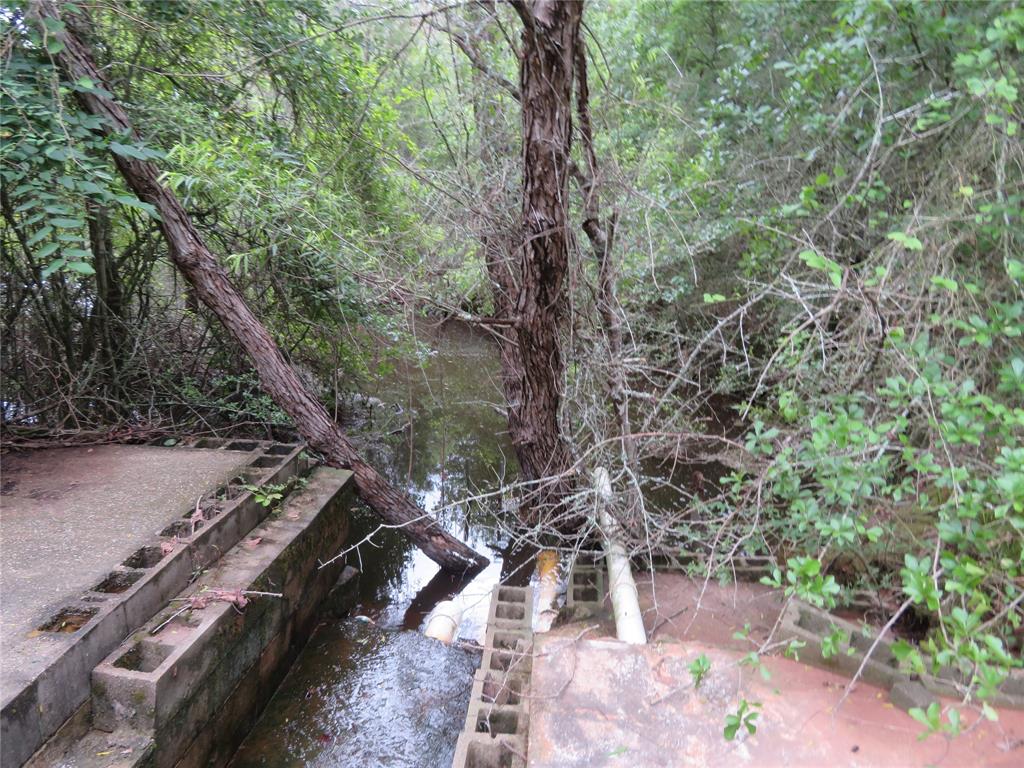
column 36, row 710
column 497, row 720
column 231, row 662
column 811, row 625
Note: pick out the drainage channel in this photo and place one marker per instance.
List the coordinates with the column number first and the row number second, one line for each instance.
column 369, row 688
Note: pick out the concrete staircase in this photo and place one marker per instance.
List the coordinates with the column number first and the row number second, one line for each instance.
column 206, row 654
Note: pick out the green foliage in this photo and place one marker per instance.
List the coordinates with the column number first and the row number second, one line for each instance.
column 54, row 163
column 932, row 720
column 268, row 495
column 279, row 171
column 699, row 669
column 832, row 644
column 852, row 170
column 745, row 717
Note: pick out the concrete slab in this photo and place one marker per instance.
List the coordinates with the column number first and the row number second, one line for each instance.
column 684, row 608
column 68, row 516
column 598, row 702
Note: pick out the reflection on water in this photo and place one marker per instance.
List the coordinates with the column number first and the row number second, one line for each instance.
column 381, row 694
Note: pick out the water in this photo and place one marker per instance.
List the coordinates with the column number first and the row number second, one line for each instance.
column 373, row 691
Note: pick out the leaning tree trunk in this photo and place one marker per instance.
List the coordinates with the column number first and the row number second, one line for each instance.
column 550, row 37
column 211, row 284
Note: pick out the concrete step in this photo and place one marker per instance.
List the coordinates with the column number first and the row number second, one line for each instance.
column 54, row 665
column 187, row 686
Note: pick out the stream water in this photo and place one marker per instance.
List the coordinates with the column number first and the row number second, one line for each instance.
column 371, row 690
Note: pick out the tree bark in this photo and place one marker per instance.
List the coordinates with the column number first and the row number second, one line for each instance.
column 550, row 38
column 212, row 286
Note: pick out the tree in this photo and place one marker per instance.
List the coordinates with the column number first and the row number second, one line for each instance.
column 527, row 269
column 549, row 43
column 213, row 287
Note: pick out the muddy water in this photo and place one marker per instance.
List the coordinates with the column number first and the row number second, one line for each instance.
column 370, row 690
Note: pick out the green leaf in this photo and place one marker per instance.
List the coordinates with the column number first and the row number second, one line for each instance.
column 54, row 46
column 909, row 242
column 815, row 260
column 68, row 223
column 60, row 154
column 918, row 714
column 53, row 25
column 134, row 151
column 944, row 282
column 134, row 202
column 47, row 250
column 82, row 267
column 42, row 234
column 53, row 267
column 713, row 298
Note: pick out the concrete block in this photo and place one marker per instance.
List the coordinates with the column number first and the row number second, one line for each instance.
column 178, row 684
column 19, row 728
column 496, row 719
column 479, row 750
column 909, row 694
column 58, row 667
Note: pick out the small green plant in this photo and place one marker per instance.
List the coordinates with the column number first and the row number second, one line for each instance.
column 793, row 649
column 699, row 669
column 742, row 634
column 753, row 660
column 832, row 643
column 744, row 717
column 931, row 719
column 266, row 495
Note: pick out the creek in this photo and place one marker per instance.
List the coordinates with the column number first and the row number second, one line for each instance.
column 370, row 689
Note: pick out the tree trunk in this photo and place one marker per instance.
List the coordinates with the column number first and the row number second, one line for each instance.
column 104, row 331
column 550, row 37
column 212, row 286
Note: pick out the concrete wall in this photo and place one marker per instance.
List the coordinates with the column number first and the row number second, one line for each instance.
column 191, row 692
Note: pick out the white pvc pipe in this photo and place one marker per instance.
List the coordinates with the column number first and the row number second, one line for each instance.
column 629, row 625
column 444, row 621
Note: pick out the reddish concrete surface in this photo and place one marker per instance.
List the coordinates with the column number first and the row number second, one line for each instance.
column 597, row 702
column 680, row 607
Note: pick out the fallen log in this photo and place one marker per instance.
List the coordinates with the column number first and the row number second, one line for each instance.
column 212, row 286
